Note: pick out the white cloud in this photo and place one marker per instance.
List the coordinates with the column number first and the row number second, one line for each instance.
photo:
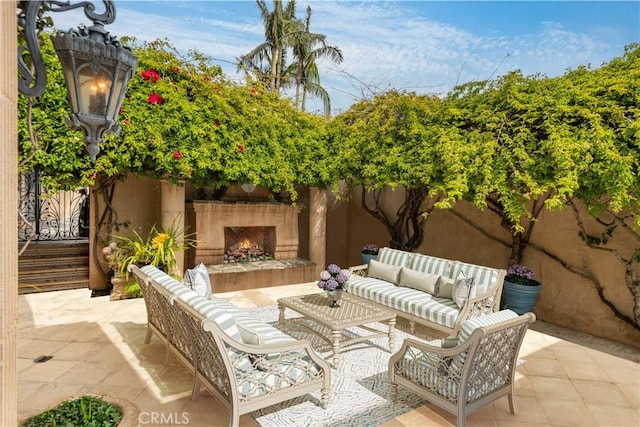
column 385, row 45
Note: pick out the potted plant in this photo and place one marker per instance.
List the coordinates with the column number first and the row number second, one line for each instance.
column 158, row 249
column 520, row 290
column 369, row 252
column 118, row 255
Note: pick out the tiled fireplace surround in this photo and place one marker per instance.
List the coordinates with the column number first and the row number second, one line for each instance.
column 209, row 218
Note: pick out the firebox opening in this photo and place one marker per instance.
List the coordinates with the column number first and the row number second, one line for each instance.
column 249, row 244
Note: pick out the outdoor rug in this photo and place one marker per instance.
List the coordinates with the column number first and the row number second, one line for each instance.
column 360, row 388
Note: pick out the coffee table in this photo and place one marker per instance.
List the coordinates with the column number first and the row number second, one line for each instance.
column 352, row 312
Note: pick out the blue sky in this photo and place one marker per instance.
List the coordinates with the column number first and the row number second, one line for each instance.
column 421, row 46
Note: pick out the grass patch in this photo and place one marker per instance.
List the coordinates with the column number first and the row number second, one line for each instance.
column 84, row 411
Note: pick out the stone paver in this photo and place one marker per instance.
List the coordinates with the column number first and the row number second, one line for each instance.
column 98, row 347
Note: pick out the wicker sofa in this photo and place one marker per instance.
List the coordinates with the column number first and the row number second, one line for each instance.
column 419, row 288
column 244, row 363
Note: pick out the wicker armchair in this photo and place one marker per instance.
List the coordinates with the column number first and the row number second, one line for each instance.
column 463, row 378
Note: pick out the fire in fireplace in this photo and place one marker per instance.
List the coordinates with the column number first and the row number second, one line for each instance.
column 248, row 244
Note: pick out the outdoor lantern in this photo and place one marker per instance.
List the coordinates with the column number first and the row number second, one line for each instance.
column 95, row 64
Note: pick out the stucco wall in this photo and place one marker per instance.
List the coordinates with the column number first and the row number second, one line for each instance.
column 137, row 201
column 566, row 298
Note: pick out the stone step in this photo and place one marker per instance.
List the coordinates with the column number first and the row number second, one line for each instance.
column 52, row 266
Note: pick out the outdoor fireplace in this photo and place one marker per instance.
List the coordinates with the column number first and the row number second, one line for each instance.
column 248, row 244
column 268, row 227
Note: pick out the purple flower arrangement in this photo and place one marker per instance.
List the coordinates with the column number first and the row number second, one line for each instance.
column 517, row 273
column 333, row 278
column 370, row 249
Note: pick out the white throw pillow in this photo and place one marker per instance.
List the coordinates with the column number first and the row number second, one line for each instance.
column 463, row 289
column 444, row 287
column 384, row 271
column 449, row 342
column 197, row 279
column 249, row 336
column 425, row 282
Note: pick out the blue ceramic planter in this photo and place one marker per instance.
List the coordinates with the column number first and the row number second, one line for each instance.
column 519, row 298
column 367, row 257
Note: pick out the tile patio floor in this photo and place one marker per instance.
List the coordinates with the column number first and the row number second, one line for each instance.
column 569, row 379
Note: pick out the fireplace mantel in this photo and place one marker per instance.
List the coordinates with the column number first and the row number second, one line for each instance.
column 208, row 218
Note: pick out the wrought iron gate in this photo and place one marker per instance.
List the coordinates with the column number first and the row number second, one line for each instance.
column 62, row 216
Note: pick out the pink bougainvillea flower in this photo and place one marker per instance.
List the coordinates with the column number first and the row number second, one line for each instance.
column 120, row 110
column 126, row 122
column 150, row 75
column 177, row 155
column 241, row 148
column 154, row 98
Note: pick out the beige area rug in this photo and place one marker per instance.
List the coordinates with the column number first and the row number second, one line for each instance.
column 360, row 387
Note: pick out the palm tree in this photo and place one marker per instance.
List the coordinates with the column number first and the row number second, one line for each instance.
column 307, row 47
column 266, row 61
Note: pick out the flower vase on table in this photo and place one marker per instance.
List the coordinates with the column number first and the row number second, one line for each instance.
column 331, row 280
column 334, row 296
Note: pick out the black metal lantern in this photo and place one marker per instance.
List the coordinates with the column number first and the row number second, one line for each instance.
column 95, row 64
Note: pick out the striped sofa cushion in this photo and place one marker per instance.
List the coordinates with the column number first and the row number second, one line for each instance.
column 484, row 278
column 158, row 275
column 393, row 256
column 268, row 334
column 487, row 320
column 225, row 305
column 431, row 265
column 225, row 321
column 442, row 311
column 163, row 279
column 477, row 322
